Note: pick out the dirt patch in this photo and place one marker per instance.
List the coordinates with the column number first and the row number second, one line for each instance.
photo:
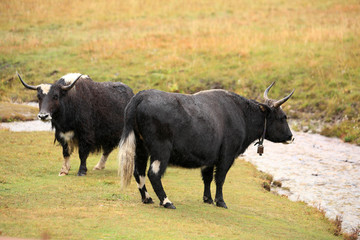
column 10, row 112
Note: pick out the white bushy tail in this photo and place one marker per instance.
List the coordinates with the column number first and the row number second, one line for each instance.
column 126, row 158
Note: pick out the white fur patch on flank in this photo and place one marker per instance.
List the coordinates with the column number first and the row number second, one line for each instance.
column 166, row 200
column 45, row 88
column 142, row 182
column 126, row 158
column 68, row 136
column 155, row 166
column 70, row 77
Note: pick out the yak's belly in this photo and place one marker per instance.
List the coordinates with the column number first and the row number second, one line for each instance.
column 190, row 160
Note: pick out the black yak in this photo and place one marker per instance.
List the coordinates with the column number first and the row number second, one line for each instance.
column 206, row 130
column 85, row 114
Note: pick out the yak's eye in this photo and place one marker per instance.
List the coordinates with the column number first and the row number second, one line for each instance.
column 55, row 97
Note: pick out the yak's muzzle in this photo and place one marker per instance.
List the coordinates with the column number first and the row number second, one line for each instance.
column 44, row 116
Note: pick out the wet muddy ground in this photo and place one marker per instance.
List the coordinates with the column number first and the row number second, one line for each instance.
column 323, row 172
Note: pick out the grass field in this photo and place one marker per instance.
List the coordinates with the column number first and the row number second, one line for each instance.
column 187, row 46
column 36, row 203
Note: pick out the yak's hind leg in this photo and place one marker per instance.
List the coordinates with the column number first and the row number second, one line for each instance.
column 67, row 150
column 141, row 159
column 207, row 176
column 160, row 156
column 101, row 164
column 84, row 151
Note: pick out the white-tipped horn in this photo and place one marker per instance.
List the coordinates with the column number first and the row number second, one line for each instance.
column 281, row 101
column 27, row 85
column 267, row 90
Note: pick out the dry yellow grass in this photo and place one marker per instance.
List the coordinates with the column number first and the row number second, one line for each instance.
column 113, row 27
column 187, row 46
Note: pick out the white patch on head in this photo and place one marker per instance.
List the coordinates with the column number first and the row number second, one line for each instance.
column 142, row 182
column 166, row 200
column 68, row 136
column 45, row 88
column 70, row 77
column 155, row 166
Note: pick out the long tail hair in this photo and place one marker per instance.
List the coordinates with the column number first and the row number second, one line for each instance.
column 126, row 157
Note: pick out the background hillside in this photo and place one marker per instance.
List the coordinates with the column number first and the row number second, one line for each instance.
column 187, row 46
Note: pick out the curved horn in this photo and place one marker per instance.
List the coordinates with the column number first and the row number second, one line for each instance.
column 267, row 90
column 279, row 102
column 68, row 87
column 26, row 85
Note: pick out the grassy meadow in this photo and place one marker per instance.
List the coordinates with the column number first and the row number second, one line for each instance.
column 177, row 46
column 187, row 46
column 36, row 203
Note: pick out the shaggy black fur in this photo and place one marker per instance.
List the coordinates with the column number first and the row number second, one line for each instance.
column 93, row 111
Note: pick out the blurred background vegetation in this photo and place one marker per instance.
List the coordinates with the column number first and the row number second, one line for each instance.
column 187, row 46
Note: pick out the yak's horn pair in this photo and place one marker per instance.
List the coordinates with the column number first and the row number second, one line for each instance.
column 66, row 88
column 279, row 102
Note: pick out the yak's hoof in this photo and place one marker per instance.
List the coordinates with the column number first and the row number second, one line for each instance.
column 221, row 204
column 208, row 200
column 148, row 201
column 98, row 168
column 63, row 174
column 81, row 174
column 168, row 206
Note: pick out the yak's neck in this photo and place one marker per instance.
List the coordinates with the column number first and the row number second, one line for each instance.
column 255, row 123
column 66, row 119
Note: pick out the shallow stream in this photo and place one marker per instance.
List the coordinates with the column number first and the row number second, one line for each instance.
column 323, row 172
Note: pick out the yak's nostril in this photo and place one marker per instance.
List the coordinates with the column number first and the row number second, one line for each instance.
column 44, row 116
column 291, row 140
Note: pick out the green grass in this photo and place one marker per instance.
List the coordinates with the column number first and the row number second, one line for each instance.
column 35, row 202
column 239, row 45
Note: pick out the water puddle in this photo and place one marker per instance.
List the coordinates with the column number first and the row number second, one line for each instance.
column 28, row 126
column 323, row 172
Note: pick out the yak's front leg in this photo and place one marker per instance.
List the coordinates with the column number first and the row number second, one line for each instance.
column 67, row 150
column 220, row 175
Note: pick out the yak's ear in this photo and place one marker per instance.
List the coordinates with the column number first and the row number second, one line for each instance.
column 264, row 108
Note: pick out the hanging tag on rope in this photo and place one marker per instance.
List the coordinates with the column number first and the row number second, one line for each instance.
column 260, row 149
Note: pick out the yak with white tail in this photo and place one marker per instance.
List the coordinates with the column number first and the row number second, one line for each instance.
column 206, row 130
column 85, row 114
